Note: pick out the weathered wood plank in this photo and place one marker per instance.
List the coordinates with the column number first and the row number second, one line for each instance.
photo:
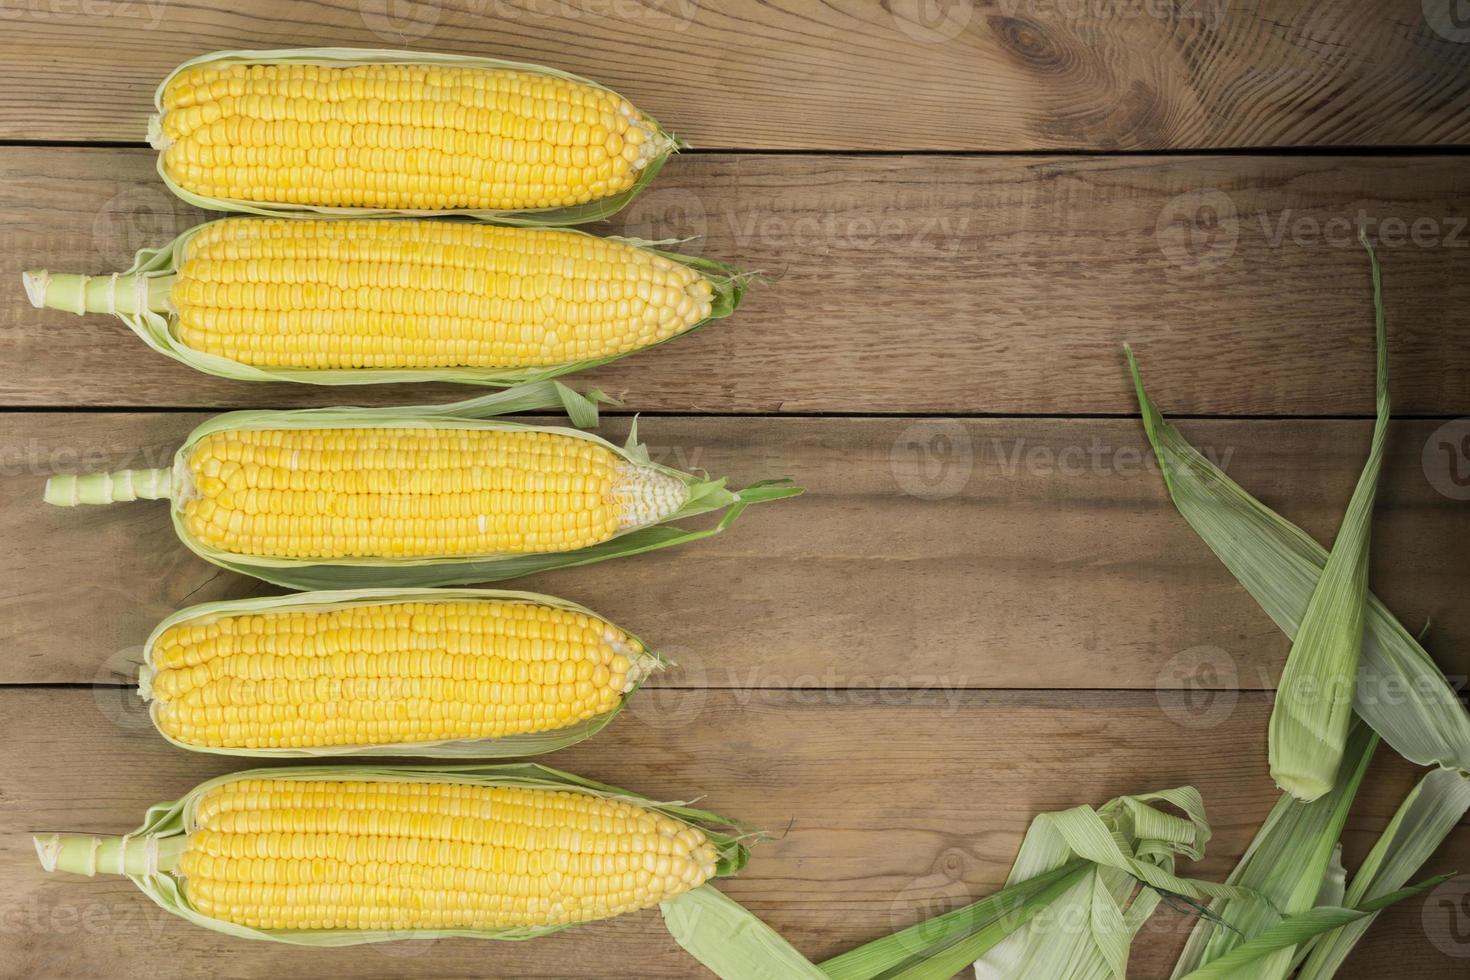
column 1007, row 74
column 1036, row 554
column 886, row 813
column 914, row 285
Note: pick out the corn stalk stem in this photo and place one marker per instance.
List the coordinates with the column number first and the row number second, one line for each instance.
column 125, row 293
column 87, row 854
column 69, row 490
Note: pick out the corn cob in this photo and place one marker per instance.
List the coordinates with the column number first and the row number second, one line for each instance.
column 398, row 131
column 324, row 494
column 496, row 852
column 324, row 300
column 341, row 498
column 419, row 671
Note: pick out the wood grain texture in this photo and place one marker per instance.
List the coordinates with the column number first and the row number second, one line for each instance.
column 934, row 554
column 886, row 813
column 905, row 74
column 913, row 285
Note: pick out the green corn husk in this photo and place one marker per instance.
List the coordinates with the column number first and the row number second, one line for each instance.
column 1431, row 810
column 1400, row 692
column 347, row 57
column 139, row 297
column 1082, row 865
column 705, row 495
column 730, row 940
column 512, row 746
column 1109, row 869
column 1242, row 962
column 1283, row 869
column 1313, row 707
column 146, row 855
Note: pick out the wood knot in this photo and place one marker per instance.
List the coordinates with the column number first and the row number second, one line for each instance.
column 1030, row 43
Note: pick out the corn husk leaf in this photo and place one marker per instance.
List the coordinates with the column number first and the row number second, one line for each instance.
column 1313, row 707
column 170, row 820
column 955, row 939
column 1431, row 810
column 512, row 746
column 1107, row 868
column 730, row 940
column 153, row 267
column 1108, row 897
column 1282, row 871
column 346, row 57
column 1294, row 930
column 1400, row 690
column 1334, row 880
column 704, row 496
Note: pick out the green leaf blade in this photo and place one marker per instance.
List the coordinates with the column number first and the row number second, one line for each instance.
column 1313, row 707
column 1401, row 692
column 1432, row 809
column 730, row 940
column 1284, row 867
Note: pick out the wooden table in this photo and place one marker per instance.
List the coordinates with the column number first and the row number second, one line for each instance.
column 984, row 607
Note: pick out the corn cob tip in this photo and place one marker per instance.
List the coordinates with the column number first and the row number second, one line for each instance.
column 35, row 281
column 61, row 491
column 87, row 854
column 641, row 663
column 69, row 489
column 48, row 850
column 156, row 137
column 646, row 496
column 122, row 293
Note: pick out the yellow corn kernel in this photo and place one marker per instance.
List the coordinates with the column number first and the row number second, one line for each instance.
column 410, row 492
column 388, row 673
column 360, row 854
column 320, row 294
column 411, row 136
